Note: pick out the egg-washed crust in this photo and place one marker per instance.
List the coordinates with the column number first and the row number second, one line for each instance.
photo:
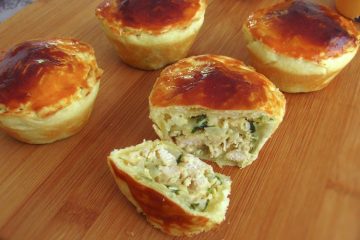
column 302, row 29
column 154, row 17
column 216, row 83
column 160, row 211
column 46, row 76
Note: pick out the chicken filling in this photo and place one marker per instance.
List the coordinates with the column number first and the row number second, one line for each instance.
column 190, row 180
column 234, row 139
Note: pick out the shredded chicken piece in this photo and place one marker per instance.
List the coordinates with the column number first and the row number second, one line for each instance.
column 185, row 175
column 214, row 137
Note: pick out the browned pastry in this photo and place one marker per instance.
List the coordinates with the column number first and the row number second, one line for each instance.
column 299, row 45
column 216, row 108
column 178, row 193
column 47, row 89
column 151, row 34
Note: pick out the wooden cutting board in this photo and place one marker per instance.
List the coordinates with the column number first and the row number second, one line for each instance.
column 304, row 185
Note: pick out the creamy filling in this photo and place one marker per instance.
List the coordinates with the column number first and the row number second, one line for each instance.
column 234, row 139
column 190, row 180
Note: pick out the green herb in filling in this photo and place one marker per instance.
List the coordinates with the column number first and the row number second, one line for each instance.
column 173, row 189
column 252, row 126
column 206, row 204
column 199, row 118
column 201, row 123
column 178, row 160
column 193, row 206
column 218, row 178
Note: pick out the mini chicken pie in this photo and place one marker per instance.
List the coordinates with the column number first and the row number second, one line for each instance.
column 151, row 34
column 47, row 89
column 216, row 108
column 300, row 45
column 178, row 193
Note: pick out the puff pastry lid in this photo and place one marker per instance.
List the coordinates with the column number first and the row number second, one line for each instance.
column 302, row 29
column 45, row 75
column 217, row 83
column 151, row 15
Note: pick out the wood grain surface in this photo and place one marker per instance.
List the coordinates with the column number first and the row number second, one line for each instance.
column 304, row 185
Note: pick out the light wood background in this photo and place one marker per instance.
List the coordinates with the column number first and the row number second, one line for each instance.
column 304, row 185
